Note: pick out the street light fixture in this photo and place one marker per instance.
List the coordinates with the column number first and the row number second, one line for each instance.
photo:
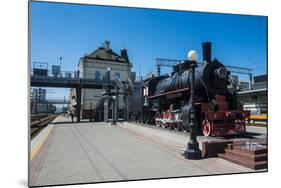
column 192, row 151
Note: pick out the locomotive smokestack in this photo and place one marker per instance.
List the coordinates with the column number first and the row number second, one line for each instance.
column 207, row 52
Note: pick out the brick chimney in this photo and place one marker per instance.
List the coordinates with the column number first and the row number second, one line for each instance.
column 106, row 45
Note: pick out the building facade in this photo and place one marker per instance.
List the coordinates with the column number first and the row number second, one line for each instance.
column 38, row 94
column 95, row 66
column 38, row 102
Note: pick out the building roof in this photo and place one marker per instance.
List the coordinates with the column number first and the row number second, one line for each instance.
column 108, row 55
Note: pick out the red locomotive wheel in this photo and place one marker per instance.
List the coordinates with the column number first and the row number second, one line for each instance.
column 240, row 126
column 206, row 128
column 170, row 126
column 157, row 123
column 176, row 126
column 169, row 115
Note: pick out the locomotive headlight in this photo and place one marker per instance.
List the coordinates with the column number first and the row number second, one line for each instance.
column 192, row 55
column 221, row 72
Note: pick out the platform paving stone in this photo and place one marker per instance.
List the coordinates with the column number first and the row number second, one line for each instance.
column 97, row 152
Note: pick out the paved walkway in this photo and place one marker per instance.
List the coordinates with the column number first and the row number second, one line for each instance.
column 96, row 152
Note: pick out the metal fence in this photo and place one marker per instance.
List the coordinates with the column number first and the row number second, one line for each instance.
column 48, row 74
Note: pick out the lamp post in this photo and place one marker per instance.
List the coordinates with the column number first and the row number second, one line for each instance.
column 107, row 95
column 113, row 111
column 192, row 151
column 108, row 79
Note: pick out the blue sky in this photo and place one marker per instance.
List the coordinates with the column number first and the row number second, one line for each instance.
column 70, row 31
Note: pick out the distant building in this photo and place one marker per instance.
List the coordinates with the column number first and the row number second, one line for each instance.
column 260, row 82
column 94, row 66
column 38, row 94
column 38, row 102
column 255, row 100
column 260, row 78
column 45, row 108
column 243, row 86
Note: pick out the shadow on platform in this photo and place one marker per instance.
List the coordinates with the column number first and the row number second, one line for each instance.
column 248, row 135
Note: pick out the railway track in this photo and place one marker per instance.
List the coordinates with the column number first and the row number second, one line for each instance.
column 38, row 122
column 184, row 132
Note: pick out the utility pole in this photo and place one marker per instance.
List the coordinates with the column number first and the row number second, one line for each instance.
column 60, row 60
column 139, row 70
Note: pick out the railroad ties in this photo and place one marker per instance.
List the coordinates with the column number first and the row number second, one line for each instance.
column 38, row 122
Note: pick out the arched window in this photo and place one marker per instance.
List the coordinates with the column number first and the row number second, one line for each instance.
column 97, row 75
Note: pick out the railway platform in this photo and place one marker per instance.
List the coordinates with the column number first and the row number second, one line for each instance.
column 70, row 153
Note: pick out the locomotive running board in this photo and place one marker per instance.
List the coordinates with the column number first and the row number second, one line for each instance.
column 169, row 92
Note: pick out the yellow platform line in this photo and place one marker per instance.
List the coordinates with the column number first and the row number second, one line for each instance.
column 38, row 146
column 258, row 117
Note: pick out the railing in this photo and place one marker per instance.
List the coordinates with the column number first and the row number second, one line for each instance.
column 47, row 74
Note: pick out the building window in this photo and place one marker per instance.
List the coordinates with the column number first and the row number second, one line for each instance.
column 97, row 75
column 106, row 75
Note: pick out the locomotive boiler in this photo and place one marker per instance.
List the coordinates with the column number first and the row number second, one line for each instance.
column 166, row 99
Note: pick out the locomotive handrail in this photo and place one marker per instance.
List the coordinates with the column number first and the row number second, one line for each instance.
column 169, row 92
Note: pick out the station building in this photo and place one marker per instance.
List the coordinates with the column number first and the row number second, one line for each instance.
column 95, row 66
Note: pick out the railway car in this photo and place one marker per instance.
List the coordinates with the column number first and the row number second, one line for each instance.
column 166, row 99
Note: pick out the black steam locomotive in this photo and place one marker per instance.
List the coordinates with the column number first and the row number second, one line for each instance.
column 166, row 99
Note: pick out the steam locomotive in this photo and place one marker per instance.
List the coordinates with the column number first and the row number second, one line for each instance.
column 166, row 99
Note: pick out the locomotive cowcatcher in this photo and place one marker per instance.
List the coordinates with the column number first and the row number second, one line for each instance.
column 166, row 99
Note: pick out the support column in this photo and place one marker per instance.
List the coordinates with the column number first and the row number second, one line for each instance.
column 91, row 111
column 250, row 81
column 106, row 103
column 124, row 108
column 127, row 108
column 99, row 114
column 158, row 70
column 113, row 110
column 117, row 103
column 78, row 100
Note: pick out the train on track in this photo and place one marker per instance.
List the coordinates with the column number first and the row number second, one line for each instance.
column 165, row 100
